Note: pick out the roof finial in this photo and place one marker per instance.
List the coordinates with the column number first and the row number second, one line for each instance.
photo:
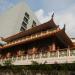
column 64, row 27
column 52, row 15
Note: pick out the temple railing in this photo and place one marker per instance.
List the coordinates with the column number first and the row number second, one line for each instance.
column 67, row 55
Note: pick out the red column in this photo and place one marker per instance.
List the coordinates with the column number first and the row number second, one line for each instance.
column 53, row 46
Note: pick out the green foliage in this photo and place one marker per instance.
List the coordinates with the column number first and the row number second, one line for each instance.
column 35, row 63
column 7, row 62
column 40, row 67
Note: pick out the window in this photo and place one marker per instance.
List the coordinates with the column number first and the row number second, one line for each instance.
column 27, row 15
column 26, row 20
column 22, row 29
column 24, row 25
column 34, row 24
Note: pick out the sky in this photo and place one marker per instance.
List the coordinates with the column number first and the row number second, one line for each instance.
column 64, row 11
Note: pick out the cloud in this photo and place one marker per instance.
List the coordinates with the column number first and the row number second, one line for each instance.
column 67, row 17
column 41, row 16
column 62, row 17
column 49, row 5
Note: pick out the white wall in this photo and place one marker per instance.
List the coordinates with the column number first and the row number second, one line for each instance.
column 73, row 40
column 11, row 20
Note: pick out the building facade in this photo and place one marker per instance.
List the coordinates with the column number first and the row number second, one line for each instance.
column 17, row 18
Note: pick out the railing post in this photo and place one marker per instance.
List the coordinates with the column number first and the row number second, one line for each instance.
column 33, row 56
column 31, row 36
column 22, row 57
column 47, row 31
column 40, row 55
column 68, row 52
column 58, row 53
column 36, row 35
column 48, row 54
column 27, row 57
column 41, row 33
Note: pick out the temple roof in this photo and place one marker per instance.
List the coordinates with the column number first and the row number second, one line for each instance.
column 48, row 25
column 59, row 33
column 31, row 38
column 32, row 35
column 64, row 37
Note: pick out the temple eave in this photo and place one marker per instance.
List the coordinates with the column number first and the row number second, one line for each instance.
column 41, row 35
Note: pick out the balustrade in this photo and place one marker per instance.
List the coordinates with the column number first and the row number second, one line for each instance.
column 72, row 52
column 23, row 57
column 63, row 53
column 30, row 56
column 53, row 54
column 13, row 58
column 36, row 56
column 41, row 55
column 44, row 55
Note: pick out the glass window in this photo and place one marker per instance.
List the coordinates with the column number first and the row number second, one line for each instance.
column 24, row 24
column 33, row 24
column 27, row 15
column 26, row 20
column 22, row 29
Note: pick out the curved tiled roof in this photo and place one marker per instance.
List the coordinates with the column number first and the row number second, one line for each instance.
column 20, row 37
column 30, row 39
column 48, row 25
column 54, row 33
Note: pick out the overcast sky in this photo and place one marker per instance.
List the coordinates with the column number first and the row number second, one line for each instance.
column 64, row 11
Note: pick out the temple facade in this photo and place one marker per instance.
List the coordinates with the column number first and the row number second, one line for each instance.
column 45, row 43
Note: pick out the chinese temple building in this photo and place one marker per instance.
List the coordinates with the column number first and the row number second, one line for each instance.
column 43, row 43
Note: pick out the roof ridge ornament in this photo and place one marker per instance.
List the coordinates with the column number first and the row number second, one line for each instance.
column 52, row 16
column 64, row 27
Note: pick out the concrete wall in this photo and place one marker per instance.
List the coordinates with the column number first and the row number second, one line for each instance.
column 11, row 20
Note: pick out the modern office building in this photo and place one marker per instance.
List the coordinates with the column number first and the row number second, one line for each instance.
column 45, row 43
column 17, row 18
